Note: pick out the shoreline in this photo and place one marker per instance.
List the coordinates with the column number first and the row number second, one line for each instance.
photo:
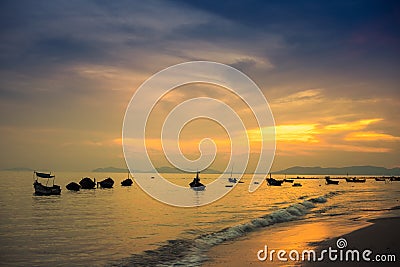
column 382, row 238
column 378, row 235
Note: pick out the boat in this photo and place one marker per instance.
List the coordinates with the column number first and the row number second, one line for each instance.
column 380, row 179
column 355, row 180
column 87, row 183
column 288, row 180
column 72, row 186
column 127, row 182
column 296, row 185
column 106, row 183
column 232, row 180
column 330, row 181
column 394, row 178
column 45, row 190
column 273, row 182
column 196, row 185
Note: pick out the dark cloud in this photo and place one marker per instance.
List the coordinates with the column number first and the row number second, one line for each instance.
column 338, row 34
column 70, row 59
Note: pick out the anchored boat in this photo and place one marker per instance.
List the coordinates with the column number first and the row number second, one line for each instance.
column 232, row 179
column 196, row 185
column 330, row 181
column 355, row 180
column 87, row 183
column 273, row 182
column 127, row 182
column 72, row 186
column 106, row 183
column 45, row 190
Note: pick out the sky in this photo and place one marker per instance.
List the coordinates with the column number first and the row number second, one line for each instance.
column 329, row 70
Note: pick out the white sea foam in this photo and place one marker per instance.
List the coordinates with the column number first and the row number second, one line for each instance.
column 193, row 253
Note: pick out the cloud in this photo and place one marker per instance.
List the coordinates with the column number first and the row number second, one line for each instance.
column 370, row 136
column 351, row 126
column 73, row 66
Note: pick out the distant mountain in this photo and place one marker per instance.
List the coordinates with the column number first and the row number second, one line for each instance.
column 111, row 169
column 351, row 170
column 19, row 169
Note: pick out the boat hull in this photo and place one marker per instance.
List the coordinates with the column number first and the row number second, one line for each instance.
column 107, row 183
column 127, row 182
column 87, row 183
column 42, row 190
column 332, row 182
column 355, row 180
column 73, row 186
column 273, row 182
column 198, row 188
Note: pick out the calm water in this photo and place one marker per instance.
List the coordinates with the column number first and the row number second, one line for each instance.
column 115, row 226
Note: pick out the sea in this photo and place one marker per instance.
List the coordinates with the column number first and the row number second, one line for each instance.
column 123, row 226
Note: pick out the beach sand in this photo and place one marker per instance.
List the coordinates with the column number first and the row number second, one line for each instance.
column 379, row 236
column 382, row 237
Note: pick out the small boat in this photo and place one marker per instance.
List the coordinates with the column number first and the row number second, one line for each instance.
column 127, row 182
column 296, row 185
column 73, row 186
column 106, row 183
column 232, row 180
column 87, row 183
column 288, row 180
column 394, row 178
column 196, row 185
column 380, row 179
column 45, row 190
column 355, row 180
column 330, row 181
column 273, row 182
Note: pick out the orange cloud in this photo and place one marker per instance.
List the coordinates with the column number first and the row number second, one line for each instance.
column 305, row 133
column 370, row 136
column 356, row 125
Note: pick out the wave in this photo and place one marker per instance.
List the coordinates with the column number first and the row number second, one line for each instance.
column 191, row 252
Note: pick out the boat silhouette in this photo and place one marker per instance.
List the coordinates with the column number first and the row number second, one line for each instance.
column 45, row 190
column 196, row 184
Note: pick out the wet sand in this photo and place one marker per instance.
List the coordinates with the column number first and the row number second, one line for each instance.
column 380, row 236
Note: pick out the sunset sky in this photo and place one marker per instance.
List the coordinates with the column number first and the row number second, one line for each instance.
column 329, row 70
